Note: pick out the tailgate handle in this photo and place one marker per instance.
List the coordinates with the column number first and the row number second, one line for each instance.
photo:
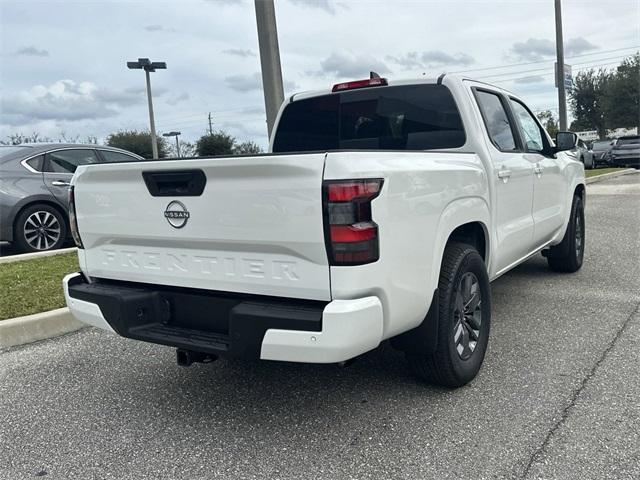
column 175, row 183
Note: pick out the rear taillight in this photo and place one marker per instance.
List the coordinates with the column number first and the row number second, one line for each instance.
column 351, row 234
column 73, row 221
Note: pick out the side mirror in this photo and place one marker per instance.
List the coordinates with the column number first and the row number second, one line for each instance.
column 566, row 141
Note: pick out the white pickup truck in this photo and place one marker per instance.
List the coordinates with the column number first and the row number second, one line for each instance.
column 382, row 211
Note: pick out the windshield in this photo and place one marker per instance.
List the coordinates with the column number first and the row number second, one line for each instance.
column 10, row 150
column 412, row 117
column 601, row 145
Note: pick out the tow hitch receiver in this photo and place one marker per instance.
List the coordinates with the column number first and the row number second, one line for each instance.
column 186, row 357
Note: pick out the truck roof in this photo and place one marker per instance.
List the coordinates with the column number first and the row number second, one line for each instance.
column 407, row 81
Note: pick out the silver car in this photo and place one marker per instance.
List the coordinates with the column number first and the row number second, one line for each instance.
column 34, row 181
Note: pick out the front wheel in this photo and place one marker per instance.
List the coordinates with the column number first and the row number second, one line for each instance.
column 464, row 319
column 568, row 255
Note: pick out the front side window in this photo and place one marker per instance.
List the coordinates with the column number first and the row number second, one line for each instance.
column 407, row 117
column 496, row 120
column 531, row 131
column 66, row 161
column 112, row 157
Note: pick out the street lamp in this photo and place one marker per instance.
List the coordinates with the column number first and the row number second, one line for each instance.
column 149, row 66
column 174, row 134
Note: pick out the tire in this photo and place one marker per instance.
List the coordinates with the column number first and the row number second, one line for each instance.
column 568, row 255
column 447, row 365
column 40, row 228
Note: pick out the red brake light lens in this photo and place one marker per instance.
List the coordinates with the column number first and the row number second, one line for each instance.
column 351, row 234
column 347, row 191
column 369, row 82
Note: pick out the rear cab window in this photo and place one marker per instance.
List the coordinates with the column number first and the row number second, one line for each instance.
column 403, row 117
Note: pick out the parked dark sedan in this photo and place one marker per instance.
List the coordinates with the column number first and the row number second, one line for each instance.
column 601, row 152
column 626, row 152
column 34, row 182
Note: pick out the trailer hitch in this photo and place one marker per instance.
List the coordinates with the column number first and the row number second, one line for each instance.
column 186, row 357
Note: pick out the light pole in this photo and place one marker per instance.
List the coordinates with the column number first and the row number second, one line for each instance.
column 174, row 134
column 149, row 66
column 269, row 60
column 562, row 96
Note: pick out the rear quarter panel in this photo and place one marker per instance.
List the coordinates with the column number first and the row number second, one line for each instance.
column 425, row 196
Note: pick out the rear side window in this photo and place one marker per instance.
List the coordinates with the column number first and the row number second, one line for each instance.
column 112, row 157
column 412, row 117
column 496, row 120
column 36, row 163
column 66, row 161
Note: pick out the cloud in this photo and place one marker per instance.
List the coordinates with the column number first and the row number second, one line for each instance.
column 159, row 28
column 69, row 100
column 534, row 49
column 31, row 51
column 530, row 79
column 348, row 65
column 320, row 4
column 239, row 52
column 249, row 83
column 578, row 46
column 180, row 98
column 430, row 59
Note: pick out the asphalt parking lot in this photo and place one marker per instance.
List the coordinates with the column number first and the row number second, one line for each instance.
column 558, row 396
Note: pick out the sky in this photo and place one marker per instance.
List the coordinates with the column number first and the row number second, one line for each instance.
column 63, row 63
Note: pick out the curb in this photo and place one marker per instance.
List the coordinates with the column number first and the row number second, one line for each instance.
column 29, row 256
column 39, row 326
column 606, row 176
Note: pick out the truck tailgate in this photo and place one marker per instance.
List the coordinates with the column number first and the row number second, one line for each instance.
column 257, row 226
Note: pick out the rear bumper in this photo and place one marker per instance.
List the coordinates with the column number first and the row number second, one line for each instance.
column 227, row 324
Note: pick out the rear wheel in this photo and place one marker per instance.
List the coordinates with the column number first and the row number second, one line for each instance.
column 40, row 228
column 568, row 255
column 464, row 320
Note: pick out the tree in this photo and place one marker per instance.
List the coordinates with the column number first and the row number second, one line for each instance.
column 621, row 99
column 247, row 147
column 587, row 100
column 217, row 143
column 187, row 149
column 19, row 139
column 549, row 122
column 137, row 142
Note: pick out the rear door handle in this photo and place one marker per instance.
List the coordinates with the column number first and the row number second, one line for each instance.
column 60, row 183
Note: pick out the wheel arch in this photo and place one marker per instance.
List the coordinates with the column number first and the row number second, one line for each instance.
column 466, row 220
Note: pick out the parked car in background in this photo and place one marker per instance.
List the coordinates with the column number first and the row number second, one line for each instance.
column 626, row 152
column 601, row 152
column 34, row 183
column 584, row 154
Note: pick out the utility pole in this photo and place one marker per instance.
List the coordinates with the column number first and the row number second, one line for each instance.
column 269, row 60
column 210, row 125
column 562, row 95
column 149, row 66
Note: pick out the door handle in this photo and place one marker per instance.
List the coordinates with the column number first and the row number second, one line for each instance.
column 60, row 183
column 504, row 174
